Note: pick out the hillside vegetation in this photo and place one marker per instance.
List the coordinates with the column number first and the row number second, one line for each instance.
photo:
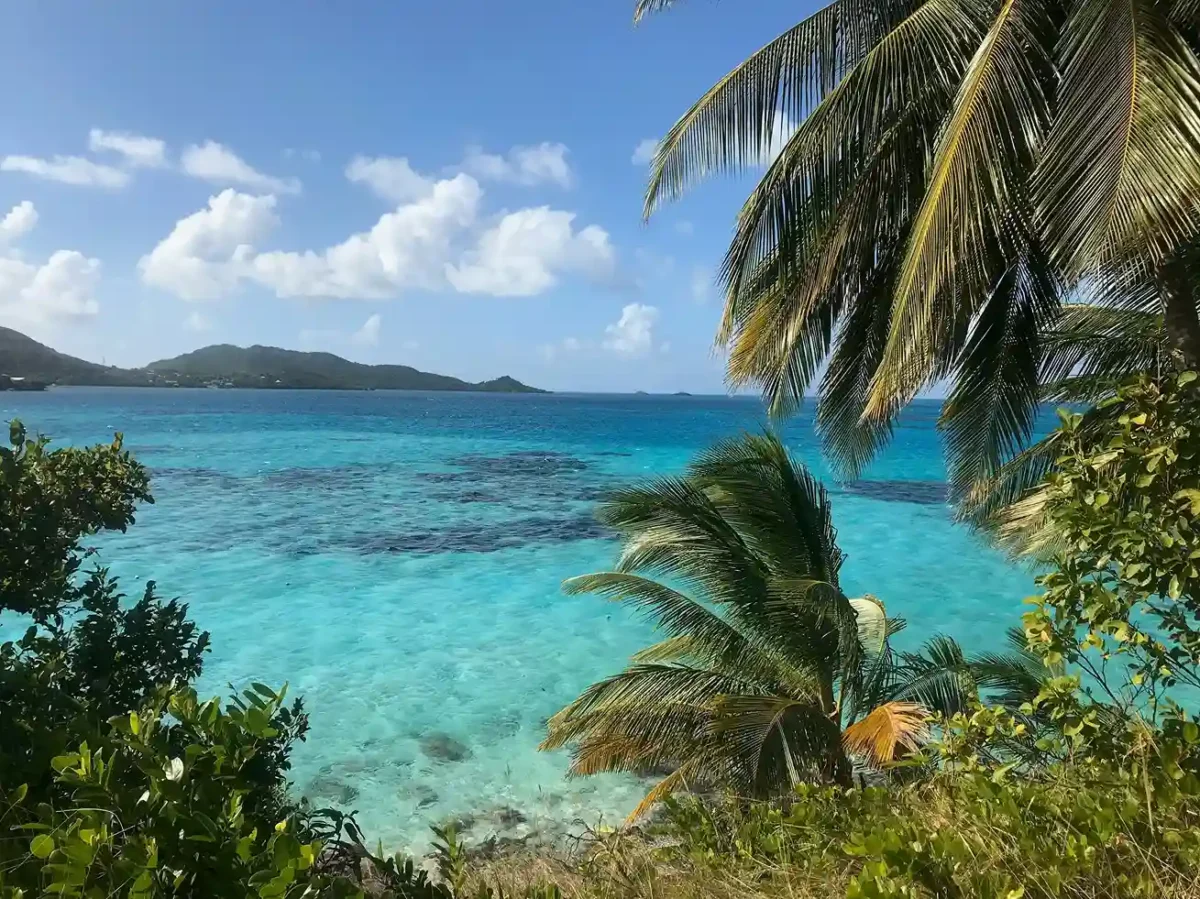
column 224, row 365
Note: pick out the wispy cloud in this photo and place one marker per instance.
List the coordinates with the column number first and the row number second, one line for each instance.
column 219, row 165
column 73, row 170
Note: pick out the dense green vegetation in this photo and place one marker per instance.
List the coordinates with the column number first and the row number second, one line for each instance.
column 231, row 366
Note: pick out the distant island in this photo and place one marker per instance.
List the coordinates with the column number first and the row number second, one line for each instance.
column 26, row 364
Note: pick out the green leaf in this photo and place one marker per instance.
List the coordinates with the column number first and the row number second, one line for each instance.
column 1174, row 589
column 41, row 846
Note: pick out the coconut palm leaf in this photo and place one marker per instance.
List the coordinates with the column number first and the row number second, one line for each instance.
column 743, row 117
column 1012, row 678
column 938, row 677
column 886, row 729
column 976, row 185
column 1095, row 347
column 764, row 660
column 957, row 170
column 1121, row 169
column 991, row 412
column 776, row 741
column 823, row 193
column 781, row 510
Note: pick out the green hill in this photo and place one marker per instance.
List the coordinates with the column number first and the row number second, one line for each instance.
column 224, row 365
column 24, row 357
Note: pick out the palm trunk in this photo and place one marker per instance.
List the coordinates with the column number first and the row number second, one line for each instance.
column 1180, row 318
column 838, row 769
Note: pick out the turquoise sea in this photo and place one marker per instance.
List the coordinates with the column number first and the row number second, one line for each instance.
column 396, row 558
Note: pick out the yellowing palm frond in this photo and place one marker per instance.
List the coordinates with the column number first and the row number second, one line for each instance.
column 887, row 728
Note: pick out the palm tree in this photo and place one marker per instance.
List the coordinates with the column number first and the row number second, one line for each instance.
column 769, row 674
column 1119, row 332
column 958, row 169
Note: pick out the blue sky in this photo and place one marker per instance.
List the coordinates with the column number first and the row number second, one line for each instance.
column 447, row 185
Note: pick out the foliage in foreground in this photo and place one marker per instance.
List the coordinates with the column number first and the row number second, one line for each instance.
column 114, row 778
column 769, row 675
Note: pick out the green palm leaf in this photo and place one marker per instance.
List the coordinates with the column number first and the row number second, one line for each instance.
column 764, row 658
column 739, row 120
column 1121, row 169
column 990, row 414
column 975, row 185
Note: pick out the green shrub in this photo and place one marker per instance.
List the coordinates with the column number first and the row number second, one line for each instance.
column 962, row 835
column 1121, row 603
column 159, row 808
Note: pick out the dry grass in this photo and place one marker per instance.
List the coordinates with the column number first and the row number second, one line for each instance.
column 802, row 854
column 631, row 866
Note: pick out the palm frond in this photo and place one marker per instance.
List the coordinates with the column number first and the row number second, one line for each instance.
column 1014, row 677
column 1121, row 169
column 774, row 741
column 678, row 778
column 1009, row 506
column 646, row 7
column 782, row 512
column 839, row 167
column 1098, row 346
column 741, row 118
column 976, row 184
column 846, row 439
column 938, row 677
column 656, row 704
column 827, row 240
column 700, row 635
column 673, row 528
column 890, row 727
column 990, row 414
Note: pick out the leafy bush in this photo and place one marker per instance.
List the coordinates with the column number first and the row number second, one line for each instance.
column 1122, row 602
column 49, row 501
column 160, row 808
column 964, row 835
column 109, row 763
column 87, row 655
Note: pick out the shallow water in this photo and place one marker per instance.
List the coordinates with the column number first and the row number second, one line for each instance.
column 395, row 557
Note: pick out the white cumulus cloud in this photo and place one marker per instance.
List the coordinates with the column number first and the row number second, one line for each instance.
column 209, row 252
column 368, row 334
column 390, row 177
column 544, row 163
column 434, row 242
column 21, row 219
column 633, row 333
column 526, row 252
column 68, row 170
column 33, row 295
column 405, row 249
column 138, row 150
column 218, row 164
column 643, row 153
